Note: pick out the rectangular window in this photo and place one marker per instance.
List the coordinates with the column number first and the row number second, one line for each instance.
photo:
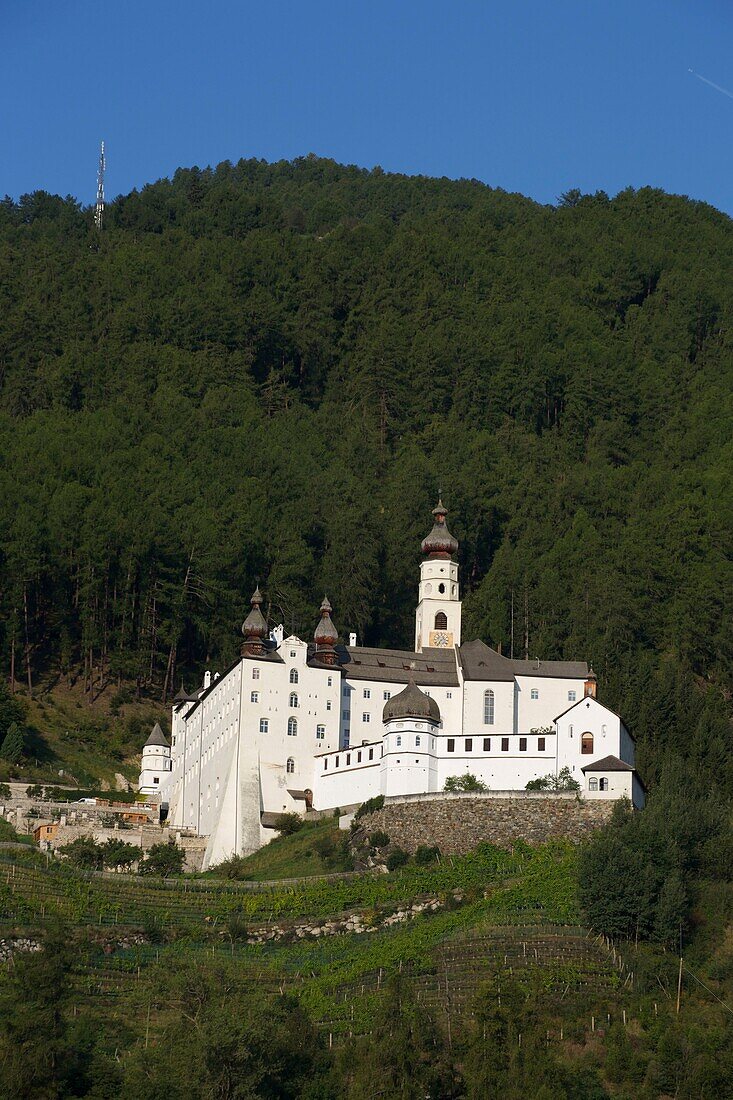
column 366, row 717
column 540, row 744
column 358, row 758
column 347, row 739
column 367, row 693
column 336, row 764
column 344, row 714
column 264, row 725
column 468, row 744
column 330, row 681
column 255, row 674
column 534, row 694
column 328, row 704
column 387, row 695
column 371, row 754
column 417, row 742
column 451, row 744
column 293, row 653
column 505, row 744
column 571, row 696
column 487, row 744
column 320, row 733
column 325, row 765
column 348, row 757
column 254, row 696
column 448, row 695
column 522, row 744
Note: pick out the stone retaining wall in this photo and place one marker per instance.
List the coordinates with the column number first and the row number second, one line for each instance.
column 458, row 822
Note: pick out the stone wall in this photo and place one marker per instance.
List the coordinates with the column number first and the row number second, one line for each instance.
column 458, row 822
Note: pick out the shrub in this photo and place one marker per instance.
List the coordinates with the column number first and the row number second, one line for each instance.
column 398, row 857
column 466, row 782
column 235, row 867
column 35, row 791
column 324, row 846
column 370, row 806
column 163, row 860
column 379, row 839
column 287, row 824
column 563, row 781
column 425, row 854
column 5, row 792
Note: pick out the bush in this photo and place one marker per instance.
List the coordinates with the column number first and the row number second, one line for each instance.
column 235, row 867
column 398, row 857
column 370, row 806
column 379, row 839
column 287, row 824
column 563, row 781
column 35, row 791
column 163, row 860
column 5, row 792
column 466, row 782
column 425, row 854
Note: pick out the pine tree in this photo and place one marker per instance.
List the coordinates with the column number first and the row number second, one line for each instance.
column 12, row 746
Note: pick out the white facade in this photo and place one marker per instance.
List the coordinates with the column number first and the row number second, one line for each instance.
column 155, row 767
column 292, row 724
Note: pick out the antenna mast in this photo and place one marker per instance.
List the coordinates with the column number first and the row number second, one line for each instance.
column 99, row 208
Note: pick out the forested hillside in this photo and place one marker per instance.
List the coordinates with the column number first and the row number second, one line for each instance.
column 264, row 372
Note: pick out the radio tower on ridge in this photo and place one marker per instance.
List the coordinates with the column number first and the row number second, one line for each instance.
column 99, row 208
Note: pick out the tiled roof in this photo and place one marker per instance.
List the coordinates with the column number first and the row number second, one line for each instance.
column 608, row 764
column 436, row 667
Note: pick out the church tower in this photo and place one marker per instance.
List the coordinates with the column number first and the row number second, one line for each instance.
column 438, row 615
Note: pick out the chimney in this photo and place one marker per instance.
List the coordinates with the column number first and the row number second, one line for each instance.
column 207, row 680
column 352, row 638
column 591, row 685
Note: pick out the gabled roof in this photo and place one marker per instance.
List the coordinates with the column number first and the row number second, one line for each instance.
column 432, row 667
column 589, row 699
column 608, row 764
column 157, row 737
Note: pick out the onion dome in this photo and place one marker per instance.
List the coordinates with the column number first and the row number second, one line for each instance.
column 254, row 627
column 411, row 703
column 157, row 737
column 326, row 635
column 439, row 543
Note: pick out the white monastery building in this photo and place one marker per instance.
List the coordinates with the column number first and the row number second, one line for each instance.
column 294, row 725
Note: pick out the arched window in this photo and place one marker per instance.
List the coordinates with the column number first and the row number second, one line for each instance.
column 488, row 708
column 441, row 621
column 293, row 701
column 399, row 740
column 604, row 784
column 290, row 766
column 586, row 744
column 592, row 784
column 292, row 727
column 293, row 675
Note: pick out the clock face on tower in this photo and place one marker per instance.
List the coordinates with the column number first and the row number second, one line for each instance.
column 441, row 639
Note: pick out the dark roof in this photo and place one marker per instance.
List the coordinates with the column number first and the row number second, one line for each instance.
column 480, row 662
column 411, row 703
column 432, row 667
column 157, row 737
column 608, row 764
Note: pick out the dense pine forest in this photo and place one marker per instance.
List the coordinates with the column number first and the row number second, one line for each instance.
column 264, row 373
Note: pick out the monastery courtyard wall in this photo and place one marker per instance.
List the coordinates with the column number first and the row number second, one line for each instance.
column 458, row 822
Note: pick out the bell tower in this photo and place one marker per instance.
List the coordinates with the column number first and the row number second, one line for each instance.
column 438, row 615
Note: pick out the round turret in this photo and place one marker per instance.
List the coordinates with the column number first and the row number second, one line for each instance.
column 411, row 703
column 254, row 627
column 439, row 543
column 326, row 635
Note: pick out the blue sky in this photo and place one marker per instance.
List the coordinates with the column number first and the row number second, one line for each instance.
column 529, row 96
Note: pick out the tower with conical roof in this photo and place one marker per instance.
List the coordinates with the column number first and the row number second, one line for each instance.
column 438, row 615
column 155, row 769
